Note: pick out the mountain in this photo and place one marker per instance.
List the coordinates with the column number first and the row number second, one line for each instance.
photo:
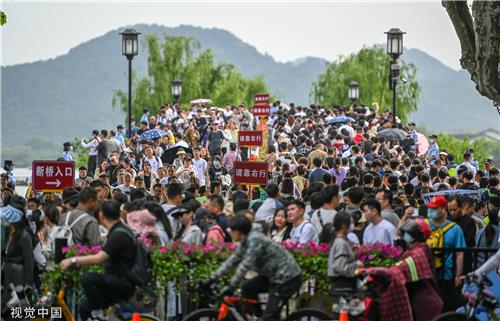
column 45, row 103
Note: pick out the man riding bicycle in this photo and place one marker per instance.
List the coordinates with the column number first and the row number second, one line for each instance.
column 278, row 273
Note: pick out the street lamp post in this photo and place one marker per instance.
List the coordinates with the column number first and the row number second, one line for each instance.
column 394, row 50
column 130, row 48
column 176, row 89
column 353, row 92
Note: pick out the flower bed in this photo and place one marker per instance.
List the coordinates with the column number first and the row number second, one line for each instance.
column 54, row 277
column 188, row 264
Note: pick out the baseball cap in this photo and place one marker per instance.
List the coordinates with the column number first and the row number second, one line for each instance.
column 437, row 201
column 119, row 127
column 488, row 161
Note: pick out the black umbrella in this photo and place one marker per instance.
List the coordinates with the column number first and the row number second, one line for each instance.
column 392, row 134
column 170, row 154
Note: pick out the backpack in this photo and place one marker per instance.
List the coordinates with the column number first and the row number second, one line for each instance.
column 436, row 241
column 64, row 232
column 328, row 232
column 142, row 270
column 141, row 275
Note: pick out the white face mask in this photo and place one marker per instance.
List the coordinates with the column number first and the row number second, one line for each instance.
column 29, row 213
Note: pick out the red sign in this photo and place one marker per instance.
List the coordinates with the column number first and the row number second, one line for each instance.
column 261, row 99
column 251, row 173
column 250, row 138
column 52, row 176
column 261, row 110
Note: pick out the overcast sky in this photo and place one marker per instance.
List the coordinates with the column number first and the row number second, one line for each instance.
column 286, row 31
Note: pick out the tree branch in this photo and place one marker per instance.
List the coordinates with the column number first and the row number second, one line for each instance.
column 462, row 22
column 486, row 27
column 480, row 43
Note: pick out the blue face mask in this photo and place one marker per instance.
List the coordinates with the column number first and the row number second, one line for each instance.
column 432, row 213
column 408, row 238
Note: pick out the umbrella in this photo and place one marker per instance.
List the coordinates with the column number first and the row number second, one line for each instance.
column 341, row 119
column 392, row 134
column 170, row 154
column 423, row 144
column 152, row 134
column 480, row 194
column 201, row 101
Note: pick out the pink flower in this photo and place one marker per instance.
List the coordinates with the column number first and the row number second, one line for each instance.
column 162, row 250
column 65, row 249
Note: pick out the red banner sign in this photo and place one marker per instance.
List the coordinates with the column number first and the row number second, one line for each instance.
column 261, row 99
column 52, row 176
column 261, row 110
column 251, row 173
column 250, row 138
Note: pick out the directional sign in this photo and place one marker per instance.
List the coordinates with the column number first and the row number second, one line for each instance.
column 250, row 138
column 263, row 110
column 52, row 176
column 261, row 99
column 250, row 173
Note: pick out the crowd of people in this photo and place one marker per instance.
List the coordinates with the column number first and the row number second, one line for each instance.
column 334, row 177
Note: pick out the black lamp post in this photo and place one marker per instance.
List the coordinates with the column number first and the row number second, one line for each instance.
column 394, row 50
column 353, row 92
column 176, row 89
column 130, row 48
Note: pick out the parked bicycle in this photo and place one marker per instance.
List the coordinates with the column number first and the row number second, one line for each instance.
column 478, row 302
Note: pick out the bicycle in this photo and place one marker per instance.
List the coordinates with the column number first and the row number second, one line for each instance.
column 119, row 312
column 362, row 303
column 476, row 302
column 231, row 309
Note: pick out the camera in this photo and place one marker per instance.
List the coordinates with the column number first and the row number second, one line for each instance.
column 395, row 70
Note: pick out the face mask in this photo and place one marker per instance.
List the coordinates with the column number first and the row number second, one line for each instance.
column 432, row 213
column 216, row 164
column 29, row 213
column 351, row 228
column 408, row 238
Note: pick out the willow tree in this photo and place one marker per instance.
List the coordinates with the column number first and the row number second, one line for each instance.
column 182, row 57
column 479, row 35
column 370, row 68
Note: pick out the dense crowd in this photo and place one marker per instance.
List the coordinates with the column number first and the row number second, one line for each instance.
column 340, row 175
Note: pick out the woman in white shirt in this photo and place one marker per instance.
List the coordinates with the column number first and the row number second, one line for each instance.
column 280, row 231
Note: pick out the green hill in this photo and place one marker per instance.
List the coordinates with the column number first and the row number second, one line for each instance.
column 48, row 102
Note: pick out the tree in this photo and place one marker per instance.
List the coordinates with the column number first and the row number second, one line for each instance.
column 479, row 36
column 370, row 68
column 181, row 57
column 3, row 18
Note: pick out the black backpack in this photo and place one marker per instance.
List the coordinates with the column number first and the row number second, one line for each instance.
column 142, row 270
column 328, row 232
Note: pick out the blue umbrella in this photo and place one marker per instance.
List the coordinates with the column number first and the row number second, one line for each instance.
column 340, row 119
column 153, row 134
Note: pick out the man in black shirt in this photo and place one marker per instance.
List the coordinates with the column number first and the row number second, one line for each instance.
column 117, row 256
column 466, row 222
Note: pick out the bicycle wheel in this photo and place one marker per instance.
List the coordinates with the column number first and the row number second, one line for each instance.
column 309, row 315
column 202, row 315
column 454, row 316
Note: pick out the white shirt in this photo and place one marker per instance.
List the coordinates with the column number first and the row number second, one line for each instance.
column 384, row 232
column 201, row 167
column 182, row 144
column 304, row 233
column 327, row 217
column 155, row 163
column 265, row 213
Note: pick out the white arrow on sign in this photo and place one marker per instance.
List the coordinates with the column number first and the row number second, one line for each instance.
column 57, row 183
